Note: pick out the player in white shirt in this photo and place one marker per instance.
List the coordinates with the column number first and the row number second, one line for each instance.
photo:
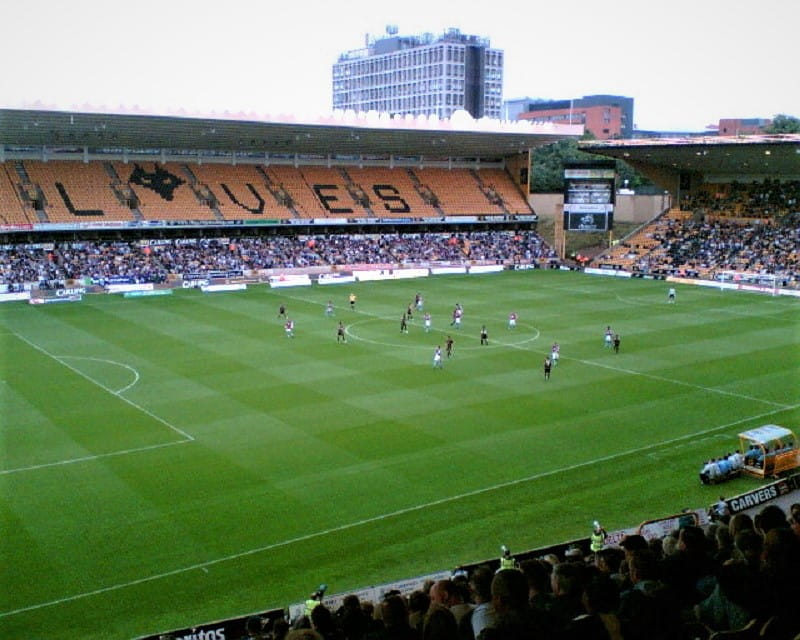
column 427, row 322
column 608, row 339
column 671, row 295
column 437, row 358
column 512, row 320
column 736, row 461
column 555, row 352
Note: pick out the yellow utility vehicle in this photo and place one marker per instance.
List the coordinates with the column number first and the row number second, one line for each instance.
column 769, row 450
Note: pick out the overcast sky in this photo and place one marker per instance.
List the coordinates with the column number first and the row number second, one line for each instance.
column 686, row 63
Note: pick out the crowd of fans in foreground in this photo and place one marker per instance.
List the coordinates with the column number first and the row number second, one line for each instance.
column 695, row 583
column 46, row 264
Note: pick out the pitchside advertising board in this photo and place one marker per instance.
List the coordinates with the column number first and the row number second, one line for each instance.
column 66, row 294
column 589, row 195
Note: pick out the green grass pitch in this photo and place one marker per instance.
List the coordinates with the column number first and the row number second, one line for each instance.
column 178, row 459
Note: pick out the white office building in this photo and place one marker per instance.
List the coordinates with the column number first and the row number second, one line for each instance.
column 426, row 74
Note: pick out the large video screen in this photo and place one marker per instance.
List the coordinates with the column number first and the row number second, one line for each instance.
column 589, row 196
column 588, row 221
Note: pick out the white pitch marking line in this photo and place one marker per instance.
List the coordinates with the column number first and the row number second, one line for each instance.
column 719, row 436
column 114, row 362
column 453, row 331
column 384, row 516
column 586, row 362
column 653, row 376
column 631, row 301
column 99, row 456
column 457, row 332
column 105, row 388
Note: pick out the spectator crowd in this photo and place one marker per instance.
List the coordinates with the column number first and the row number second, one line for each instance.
column 732, row 245
column 749, row 228
column 764, row 199
column 737, row 574
column 48, row 264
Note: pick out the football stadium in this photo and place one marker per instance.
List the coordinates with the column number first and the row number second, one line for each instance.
column 267, row 374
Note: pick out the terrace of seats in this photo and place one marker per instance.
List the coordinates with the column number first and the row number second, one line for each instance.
column 644, row 245
column 241, row 192
column 12, row 210
column 501, row 183
column 163, row 191
column 85, row 191
column 335, row 198
column 766, row 200
column 758, row 206
column 293, row 182
column 175, row 191
column 458, row 192
column 680, row 244
column 384, row 205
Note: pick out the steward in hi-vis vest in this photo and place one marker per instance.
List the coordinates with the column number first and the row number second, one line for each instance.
column 598, row 537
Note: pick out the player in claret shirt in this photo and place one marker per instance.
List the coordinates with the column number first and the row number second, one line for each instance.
column 512, row 320
column 457, row 313
column 289, row 328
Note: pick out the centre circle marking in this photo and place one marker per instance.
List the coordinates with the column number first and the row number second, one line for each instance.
column 456, row 332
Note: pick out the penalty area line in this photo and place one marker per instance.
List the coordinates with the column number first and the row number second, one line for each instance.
column 385, row 516
column 116, row 394
column 115, row 363
column 99, row 456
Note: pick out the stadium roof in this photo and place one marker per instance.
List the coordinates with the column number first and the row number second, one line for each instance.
column 345, row 134
column 776, row 156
